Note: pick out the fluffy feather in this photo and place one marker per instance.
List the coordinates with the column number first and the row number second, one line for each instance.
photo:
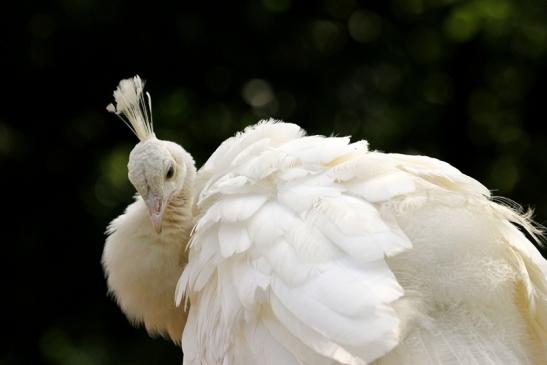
column 143, row 261
column 350, row 256
column 142, row 270
column 310, row 250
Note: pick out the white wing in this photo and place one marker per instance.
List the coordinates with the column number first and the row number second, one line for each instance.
column 475, row 286
column 302, row 253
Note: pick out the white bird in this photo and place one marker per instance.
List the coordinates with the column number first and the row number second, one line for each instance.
column 314, row 250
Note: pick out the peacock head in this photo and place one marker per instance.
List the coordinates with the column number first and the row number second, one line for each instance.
column 159, row 170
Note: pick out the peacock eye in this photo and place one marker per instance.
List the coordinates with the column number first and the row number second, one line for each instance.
column 170, row 172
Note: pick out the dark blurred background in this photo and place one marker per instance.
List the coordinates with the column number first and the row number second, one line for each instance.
column 462, row 81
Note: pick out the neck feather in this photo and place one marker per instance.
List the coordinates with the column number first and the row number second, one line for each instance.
column 179, row 218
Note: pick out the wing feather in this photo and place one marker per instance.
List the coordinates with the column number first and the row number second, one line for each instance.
column 292, row 259
column 304, row 257
column 233, row 238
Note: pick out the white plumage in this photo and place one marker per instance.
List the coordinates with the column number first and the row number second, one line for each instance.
column 315, row 250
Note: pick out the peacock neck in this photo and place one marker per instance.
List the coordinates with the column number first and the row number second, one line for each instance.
column 178, row 219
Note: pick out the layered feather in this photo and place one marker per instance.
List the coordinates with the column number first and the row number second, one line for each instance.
column 314, row 250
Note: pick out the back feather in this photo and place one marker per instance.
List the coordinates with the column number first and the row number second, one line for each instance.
column 316, row 251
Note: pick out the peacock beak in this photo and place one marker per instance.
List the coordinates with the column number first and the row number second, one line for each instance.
column 156, row 207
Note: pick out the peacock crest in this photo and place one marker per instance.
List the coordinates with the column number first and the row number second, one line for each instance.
column 132, row 108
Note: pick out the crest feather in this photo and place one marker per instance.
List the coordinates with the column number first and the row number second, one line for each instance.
column 131, row 107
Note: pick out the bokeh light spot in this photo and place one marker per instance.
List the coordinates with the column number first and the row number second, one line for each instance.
column 504, row 174
column 60, row 349
column 327, row 36
column 483, row 107
column 112, row 182
column 364, row 26
column 277, row 6
column 409, row 7
column 461, row 25
column 257, row 93
column 385, row 77
column 495, row 9
column 438, row 88
column 425, row 45
column 174, row 107
column 340, row 9
column 531, row 40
